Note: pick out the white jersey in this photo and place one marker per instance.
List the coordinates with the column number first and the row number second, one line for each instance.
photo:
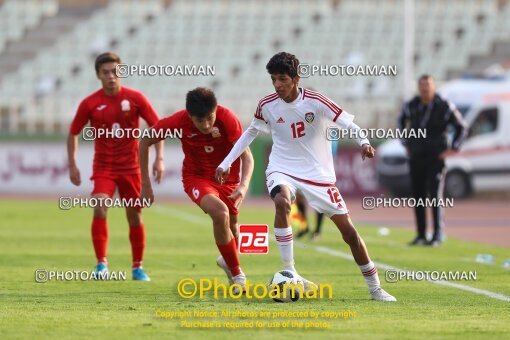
column 299, row 130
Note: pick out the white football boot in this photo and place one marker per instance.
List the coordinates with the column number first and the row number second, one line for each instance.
column 240, row 280
column 381, row 295
column 307, row 284
column 220, row 261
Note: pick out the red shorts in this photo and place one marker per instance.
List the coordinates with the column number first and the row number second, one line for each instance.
column 196, row 188
column 129, row 185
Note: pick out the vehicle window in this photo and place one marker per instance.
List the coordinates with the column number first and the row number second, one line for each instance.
column 486, row 122
column 463, row 109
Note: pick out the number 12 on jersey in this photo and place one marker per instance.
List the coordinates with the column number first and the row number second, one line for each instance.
column 334, row 195
column 298, row 129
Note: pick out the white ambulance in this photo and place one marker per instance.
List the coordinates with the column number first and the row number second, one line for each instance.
column 483, row 163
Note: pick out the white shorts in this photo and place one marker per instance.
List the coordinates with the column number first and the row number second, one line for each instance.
column 324, row 198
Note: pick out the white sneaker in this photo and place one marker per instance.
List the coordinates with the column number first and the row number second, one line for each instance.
column 307, row 284
column 380, row 295
column 240, row 280
column 220, row 261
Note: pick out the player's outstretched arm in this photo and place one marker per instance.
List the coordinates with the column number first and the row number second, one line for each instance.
column 246, row 172
column 72, row 146
column 158, row 168
column 367, row 150
column 344, row 120
column 143, row 154
column 240, row 146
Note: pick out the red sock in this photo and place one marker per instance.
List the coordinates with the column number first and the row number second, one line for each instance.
column 229, row 253
column 100, row 238
column 137, row 238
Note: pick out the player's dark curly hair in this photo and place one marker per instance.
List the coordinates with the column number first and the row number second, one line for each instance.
column 107, row 57
column 200, row 102
column 283, row 63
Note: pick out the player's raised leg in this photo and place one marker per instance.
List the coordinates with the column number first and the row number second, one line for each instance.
column 360, row 254
column 220, row 261
column 223, row 236
column 137, row 240
column 234, row 228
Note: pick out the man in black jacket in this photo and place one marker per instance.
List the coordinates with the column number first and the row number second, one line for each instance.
column 426, row 155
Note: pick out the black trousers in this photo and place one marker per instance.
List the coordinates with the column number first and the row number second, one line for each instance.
column 427, row 180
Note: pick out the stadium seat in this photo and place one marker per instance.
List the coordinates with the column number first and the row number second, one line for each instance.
column 237, row 37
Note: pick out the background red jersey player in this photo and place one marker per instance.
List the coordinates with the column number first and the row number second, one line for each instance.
column 208, row 134
column 115, row 159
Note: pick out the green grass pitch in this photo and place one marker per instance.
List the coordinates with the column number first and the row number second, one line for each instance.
column 36, row 234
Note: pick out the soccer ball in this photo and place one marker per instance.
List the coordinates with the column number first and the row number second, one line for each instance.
column 287, row 284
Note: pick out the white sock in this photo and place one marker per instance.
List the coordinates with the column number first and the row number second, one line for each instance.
column 286, row 245
column 369, row 272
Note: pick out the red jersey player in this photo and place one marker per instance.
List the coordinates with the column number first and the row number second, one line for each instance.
column 208, row 133
column 115, row 159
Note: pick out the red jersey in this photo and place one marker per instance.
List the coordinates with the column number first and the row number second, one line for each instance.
column 121, row 111
column 204, row 152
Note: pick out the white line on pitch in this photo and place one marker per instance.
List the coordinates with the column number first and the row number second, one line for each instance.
column 172, row 212
column 169, row 211
column 346, row 256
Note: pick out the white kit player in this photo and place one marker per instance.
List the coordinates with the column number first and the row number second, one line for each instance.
column 301, row 159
